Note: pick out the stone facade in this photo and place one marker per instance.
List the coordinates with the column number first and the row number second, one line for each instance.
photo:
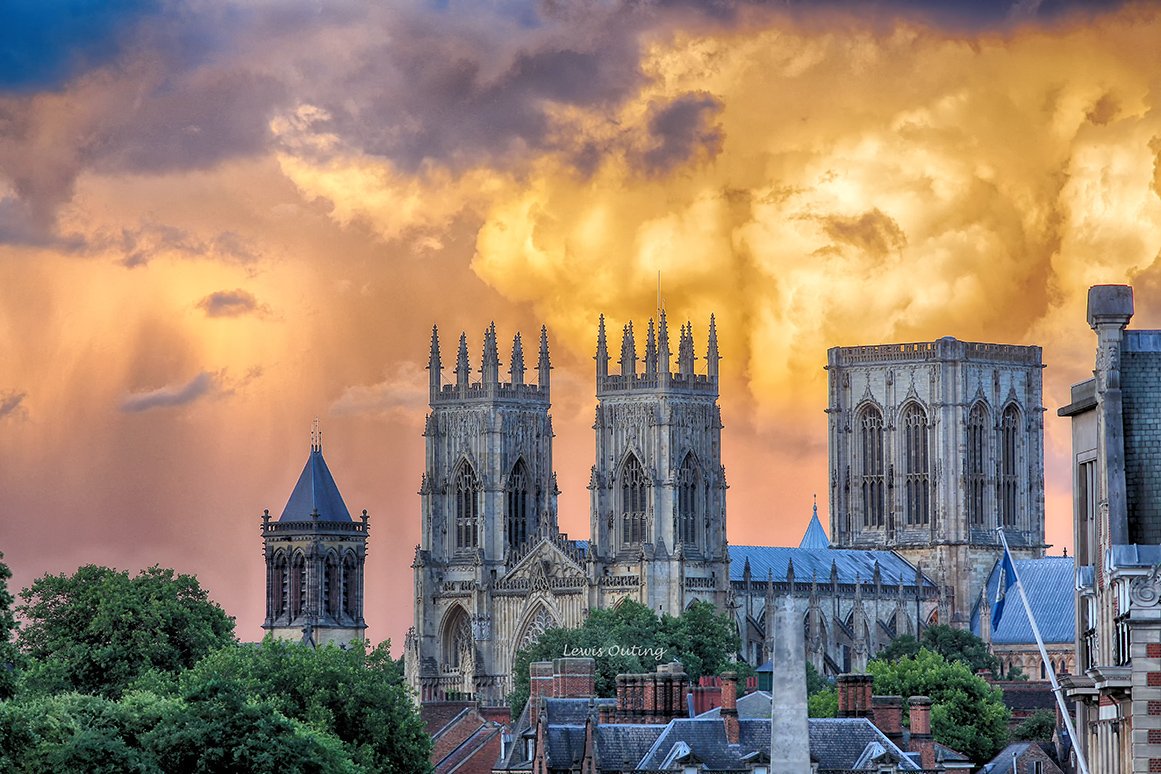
column 932, row 446
column 1116, row 426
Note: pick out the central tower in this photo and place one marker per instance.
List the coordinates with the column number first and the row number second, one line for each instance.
column 658, row 488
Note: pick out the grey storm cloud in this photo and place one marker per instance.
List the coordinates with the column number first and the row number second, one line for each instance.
column 170, row 87
column 231, row 303
column 682, row 128
column 170, row 396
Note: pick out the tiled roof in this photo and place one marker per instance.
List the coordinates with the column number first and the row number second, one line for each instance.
column 752, row 705
column 852, row 565
column 315, row 491
column 1050, row 584
column 618, row 743
column 837, row 743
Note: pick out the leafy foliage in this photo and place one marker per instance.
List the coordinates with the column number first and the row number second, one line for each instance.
column 214, row 729
column 631, row 639
column 1040, row 726
column 814, row 681
column 951, row 643
column 357, row 696
column 967, row 714
column 823, row 704
column 97, row 630
column 8, row 654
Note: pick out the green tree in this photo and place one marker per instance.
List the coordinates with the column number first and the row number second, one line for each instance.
column 951, row 643
column 822, row 704
column 814, row 681
column 357, row 696
column 214, row 730
column 967, row 714
column 97, row 630
column 631, row 639
column 7, row 630
column 1040, row 726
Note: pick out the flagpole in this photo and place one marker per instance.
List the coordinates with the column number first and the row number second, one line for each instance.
column 1047, row 661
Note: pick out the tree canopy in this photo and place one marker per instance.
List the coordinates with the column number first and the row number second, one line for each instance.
column 631, row 639
column 967, row 714
column 357, row 696
column 7, row 630
column 951, row 643
column 98, row 630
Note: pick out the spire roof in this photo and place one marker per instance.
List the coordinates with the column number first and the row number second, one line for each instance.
column 815, row 535
column 315, row 491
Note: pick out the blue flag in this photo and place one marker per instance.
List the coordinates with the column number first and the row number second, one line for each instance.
column 1006, row 581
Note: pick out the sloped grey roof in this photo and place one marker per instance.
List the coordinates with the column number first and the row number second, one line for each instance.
column 618, row 743
column 1002, row 763
column 852, row 565
column 837, row 743
column 315, row 491
column 752, row 705
column 1050, row 585
column 572, row 711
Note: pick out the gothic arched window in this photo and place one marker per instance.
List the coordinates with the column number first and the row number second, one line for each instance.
column 977, row 434
column 633, row 499
column 1009, row 425
column 467, row 491
column 279, row 585
column 332, row 586
column 915, row 460
column 297, row 584
column 516, row 520
column 457, row 638
column 873, row 467
column 350, row 586
column 687, row 491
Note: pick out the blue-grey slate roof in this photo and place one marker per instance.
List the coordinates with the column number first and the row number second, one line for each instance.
column 618, row 743
column 1050, row 585
column 815, row 535
column 315, row 491
column 852, row 564
column 1134, row 555
column 835, row 743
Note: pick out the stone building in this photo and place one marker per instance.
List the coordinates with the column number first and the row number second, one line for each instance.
column 493, row 571
column 1116, row 447
column 932, row 446
column 314, row 555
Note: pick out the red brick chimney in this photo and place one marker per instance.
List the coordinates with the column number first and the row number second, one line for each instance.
column 574, row 678
column 655, row 697
column 921, row 740
column 539, row 688
column 888, row 712
column 854, row 696
column 730, row 706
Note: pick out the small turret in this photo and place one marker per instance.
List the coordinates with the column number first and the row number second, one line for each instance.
column 602, row 356
column 711, row 354
column 434, row 367
column 663, row 353
column 685, row 356
column 543, row 364
column 463, row 367
column 516, row 370
column 490, row 364
column 651, row 352
column 628, row 352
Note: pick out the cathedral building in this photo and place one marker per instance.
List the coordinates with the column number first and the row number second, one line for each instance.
column 934, row 445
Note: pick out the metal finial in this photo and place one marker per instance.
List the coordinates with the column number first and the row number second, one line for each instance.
column 315, row 436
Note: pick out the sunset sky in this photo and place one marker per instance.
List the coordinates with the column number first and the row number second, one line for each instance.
column 219, row 220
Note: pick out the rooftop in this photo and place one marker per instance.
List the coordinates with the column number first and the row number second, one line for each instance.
column 1050, row 585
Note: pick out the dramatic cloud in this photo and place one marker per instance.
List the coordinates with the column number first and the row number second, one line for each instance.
column 171, row 395
column 232, row 303
column 403, row 394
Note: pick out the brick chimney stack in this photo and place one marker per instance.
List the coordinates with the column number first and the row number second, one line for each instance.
column 729, row 707
column 888, row 712
column 854, row 696
column 539, row 688
column 921, row 740
column 574, row 678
